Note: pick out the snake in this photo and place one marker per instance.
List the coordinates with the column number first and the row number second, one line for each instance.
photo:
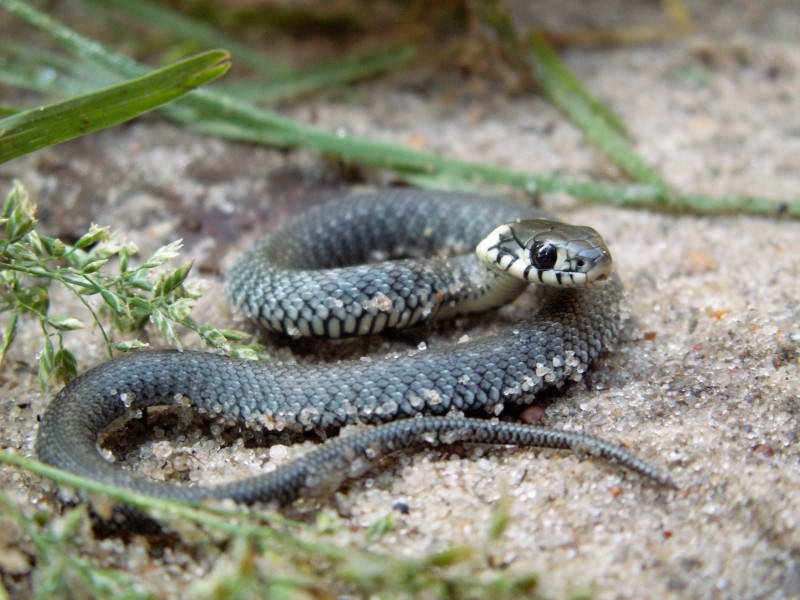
column 358, row 265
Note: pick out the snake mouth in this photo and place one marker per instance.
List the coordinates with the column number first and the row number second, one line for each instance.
column 570, row 279
column 601, row 267
column 556, row 278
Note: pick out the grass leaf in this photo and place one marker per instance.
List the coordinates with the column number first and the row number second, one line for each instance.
column 41, row 127
column 597, row 122
column 321, row 77
column 158, row 15
column 9, row 332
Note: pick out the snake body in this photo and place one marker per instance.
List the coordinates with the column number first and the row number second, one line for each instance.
column 307, row 278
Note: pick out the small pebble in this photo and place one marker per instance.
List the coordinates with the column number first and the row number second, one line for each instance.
column 533, row 415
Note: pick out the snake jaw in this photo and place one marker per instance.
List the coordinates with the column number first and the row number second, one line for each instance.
column 547, row 252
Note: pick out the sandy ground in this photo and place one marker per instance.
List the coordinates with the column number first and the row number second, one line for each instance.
column 705, row 381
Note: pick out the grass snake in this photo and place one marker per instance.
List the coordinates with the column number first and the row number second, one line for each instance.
column 357, row 266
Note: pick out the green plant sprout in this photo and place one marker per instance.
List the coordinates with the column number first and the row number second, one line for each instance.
column 130, row 296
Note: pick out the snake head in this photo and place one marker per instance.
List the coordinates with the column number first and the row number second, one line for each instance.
column 547, row 252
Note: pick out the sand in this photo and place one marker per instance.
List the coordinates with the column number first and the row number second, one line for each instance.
column 704, row 380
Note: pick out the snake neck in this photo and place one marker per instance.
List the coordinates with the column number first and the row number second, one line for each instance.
column 486, row 290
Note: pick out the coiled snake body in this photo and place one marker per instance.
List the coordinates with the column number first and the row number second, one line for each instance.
column 307, row 278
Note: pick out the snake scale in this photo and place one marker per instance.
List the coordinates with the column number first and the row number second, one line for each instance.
column 356, row 266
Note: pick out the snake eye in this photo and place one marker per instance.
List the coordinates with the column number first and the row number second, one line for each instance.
column 543, row 255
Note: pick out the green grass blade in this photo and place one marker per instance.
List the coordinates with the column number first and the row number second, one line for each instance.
column 52, row 73
column 58, row 85
column 33, row 129
column 321, row 76
column 190, row 29
column 600, row 125
column 570, row 82
column 494, row 13
column 236, row 120
column 559, row 86
column 32, row 54
column 49, row 64
column 88, row 49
